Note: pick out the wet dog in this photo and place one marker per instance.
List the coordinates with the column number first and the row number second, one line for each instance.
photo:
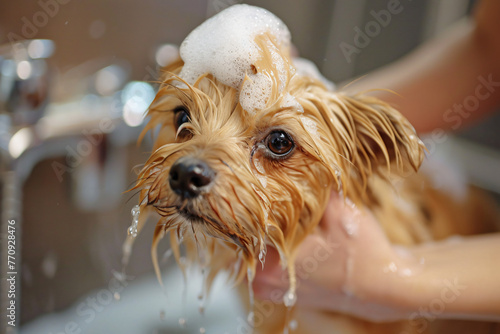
column 247, row 159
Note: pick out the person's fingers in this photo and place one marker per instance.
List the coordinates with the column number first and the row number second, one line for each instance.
column 332, row 211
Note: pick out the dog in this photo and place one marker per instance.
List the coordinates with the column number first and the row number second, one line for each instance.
column 247, row 161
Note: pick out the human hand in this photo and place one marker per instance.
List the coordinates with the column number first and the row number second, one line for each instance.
column 348, row 266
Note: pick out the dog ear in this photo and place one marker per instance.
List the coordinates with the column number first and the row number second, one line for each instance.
column 369, row 137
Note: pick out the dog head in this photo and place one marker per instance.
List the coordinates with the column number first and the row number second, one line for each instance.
column 229, row 175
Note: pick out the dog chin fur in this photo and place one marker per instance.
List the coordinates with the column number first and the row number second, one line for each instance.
column 355, row 145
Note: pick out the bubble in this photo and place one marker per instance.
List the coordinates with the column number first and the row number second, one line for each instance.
column 135, row 210
column 289, row 298
column 182, row 322
column 132, row 230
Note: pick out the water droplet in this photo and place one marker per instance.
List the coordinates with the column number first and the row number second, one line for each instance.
column 117, row 296
column 406, row 272
column 293, row 324
column 132, row 230
column 162, row 315
column 49, row 264
column 135, row 210
column 202, row 330
column 262, row 256
column 167, row 255
column 392, row 267
column 255, row 240
column 351, row 226
column 251, row 318
column 289, row 298
column 182, row 322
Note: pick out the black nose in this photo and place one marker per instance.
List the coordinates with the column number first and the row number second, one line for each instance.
column 189, row 175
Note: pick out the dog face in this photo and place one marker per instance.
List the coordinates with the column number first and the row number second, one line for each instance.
column 227, row 182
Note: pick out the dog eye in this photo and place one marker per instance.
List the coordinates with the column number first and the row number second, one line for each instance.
column 181, row 116
column 279, row 143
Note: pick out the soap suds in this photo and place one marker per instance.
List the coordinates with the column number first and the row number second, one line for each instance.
column 225, row 47
column 307, row 68
column 255, row 92
column 289, row 101
column 310, row 126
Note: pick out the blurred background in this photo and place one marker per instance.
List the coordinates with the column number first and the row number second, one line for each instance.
column 71, row 104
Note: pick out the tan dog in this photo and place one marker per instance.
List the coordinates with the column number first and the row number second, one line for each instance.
column 227, row 183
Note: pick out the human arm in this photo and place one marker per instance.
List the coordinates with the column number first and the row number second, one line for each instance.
column 364, row 275
column 433, row 83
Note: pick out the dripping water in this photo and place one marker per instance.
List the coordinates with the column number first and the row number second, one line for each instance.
column 132, row 230
column 251, row 297
column 262, row 256
column 203, row 293
column 290, row 297
column 167, row 255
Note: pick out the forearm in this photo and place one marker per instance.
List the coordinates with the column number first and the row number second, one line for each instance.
column 435, row 84
column 450, row 280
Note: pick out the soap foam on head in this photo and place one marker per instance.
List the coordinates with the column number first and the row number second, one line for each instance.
column 225, row 47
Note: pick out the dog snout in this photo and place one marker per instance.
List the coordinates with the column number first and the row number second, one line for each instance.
column 189, row 176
